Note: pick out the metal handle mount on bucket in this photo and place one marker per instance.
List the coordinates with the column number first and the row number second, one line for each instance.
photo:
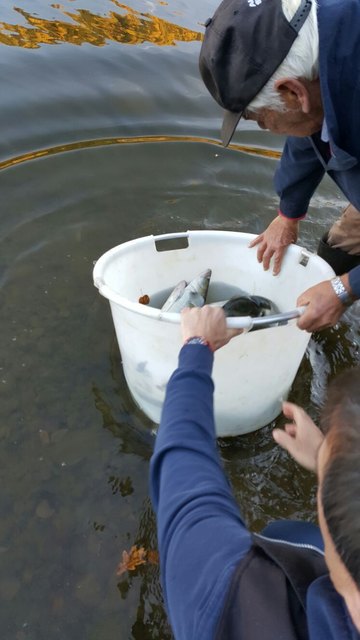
column 265, row 322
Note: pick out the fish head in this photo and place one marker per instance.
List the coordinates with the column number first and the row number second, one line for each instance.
column 200, row 284
column 266, row 306
column 241, row 306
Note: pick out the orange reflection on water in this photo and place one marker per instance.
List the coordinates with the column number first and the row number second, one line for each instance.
column 87, row 144
column 132, row 27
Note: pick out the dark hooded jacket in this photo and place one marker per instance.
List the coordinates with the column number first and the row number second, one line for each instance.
column 219, row 581
column 305, row 160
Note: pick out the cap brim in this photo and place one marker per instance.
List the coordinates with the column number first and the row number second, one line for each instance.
column 230, row 122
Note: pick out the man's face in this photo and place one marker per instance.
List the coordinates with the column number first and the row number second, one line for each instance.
column 291, row 122
column 340, row 577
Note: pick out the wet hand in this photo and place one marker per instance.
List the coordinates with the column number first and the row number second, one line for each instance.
column 273, row 242
column 323, row 307
column 301, row 437
column 208, row 323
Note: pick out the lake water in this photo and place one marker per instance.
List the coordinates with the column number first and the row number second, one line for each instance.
column 108, row 134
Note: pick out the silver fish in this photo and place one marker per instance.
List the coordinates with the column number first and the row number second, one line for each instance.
column 194, row 294
column 174, row 295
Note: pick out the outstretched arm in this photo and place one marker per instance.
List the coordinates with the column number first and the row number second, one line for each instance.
column 201, row 535
column 298, row 175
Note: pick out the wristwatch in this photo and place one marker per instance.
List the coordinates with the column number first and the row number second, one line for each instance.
column 340, row 291
column 199, row 340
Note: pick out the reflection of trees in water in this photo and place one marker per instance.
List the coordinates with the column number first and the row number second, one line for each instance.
column 329, row 352
column 123, row 418
column 151, row 621
column 131, row 27
column 134, row 438
column 128, row 424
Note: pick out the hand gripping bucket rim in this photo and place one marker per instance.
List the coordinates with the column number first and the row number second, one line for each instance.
column 245, row 322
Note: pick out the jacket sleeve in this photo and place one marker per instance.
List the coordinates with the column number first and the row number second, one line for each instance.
column 354, row 281
column 297, row 176
column 201, row 536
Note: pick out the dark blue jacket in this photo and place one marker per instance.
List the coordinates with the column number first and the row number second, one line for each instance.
column 305, row 160
column 203, row 541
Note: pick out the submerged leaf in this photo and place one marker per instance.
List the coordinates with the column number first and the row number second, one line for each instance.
column 131, row 560
column 135, row 557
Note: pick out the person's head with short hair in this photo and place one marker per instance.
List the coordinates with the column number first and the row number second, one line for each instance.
column 339, row 487
column 259, row 60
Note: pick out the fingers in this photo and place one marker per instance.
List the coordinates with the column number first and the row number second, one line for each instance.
column 295, row 413
column 285, row 440
column 278, row 258
column 306, row 323
column 266, row 258
column 291, row 429
column 209, row 323
column 256, row 240
column 289, row 409
column 302, row 300
column 265, row 253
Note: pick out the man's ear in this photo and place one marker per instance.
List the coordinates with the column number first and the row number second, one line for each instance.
column 294, row 93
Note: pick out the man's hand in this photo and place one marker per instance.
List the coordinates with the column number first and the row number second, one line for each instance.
column 323, row 307
column 209, row 323
column 274, row 240
column 301, row 438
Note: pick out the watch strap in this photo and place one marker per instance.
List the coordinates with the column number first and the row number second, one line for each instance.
column 199, row 340
column 341, row 291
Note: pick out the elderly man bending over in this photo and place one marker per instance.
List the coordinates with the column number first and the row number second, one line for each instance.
column 293, row 67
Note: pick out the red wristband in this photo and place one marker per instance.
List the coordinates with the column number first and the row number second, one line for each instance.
column 280, row 213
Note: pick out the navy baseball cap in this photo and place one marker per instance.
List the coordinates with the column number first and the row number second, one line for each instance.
column 244, row 43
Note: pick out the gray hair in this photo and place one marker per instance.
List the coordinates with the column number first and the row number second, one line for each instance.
column 302, row 60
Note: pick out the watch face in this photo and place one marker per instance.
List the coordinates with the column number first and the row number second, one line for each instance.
column 198, row 340
column 340, row 290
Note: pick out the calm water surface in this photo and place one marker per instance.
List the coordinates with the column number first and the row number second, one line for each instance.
column 107, row 134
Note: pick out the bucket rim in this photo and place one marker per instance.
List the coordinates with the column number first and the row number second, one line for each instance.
column 136, row 307
column 156, row 314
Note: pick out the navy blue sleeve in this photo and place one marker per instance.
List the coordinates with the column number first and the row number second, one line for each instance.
column 354, row 281
column 297, row 176
column 201, row 535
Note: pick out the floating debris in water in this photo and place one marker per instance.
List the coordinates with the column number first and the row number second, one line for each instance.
column 136, row 557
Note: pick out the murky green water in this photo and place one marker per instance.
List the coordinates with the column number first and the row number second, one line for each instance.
column 107, row 134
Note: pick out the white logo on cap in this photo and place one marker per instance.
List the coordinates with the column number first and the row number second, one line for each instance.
column 254, row 3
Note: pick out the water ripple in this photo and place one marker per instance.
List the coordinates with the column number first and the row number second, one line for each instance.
column 87, row 144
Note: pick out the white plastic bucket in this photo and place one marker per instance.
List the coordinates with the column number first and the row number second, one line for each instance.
column 254, row 372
